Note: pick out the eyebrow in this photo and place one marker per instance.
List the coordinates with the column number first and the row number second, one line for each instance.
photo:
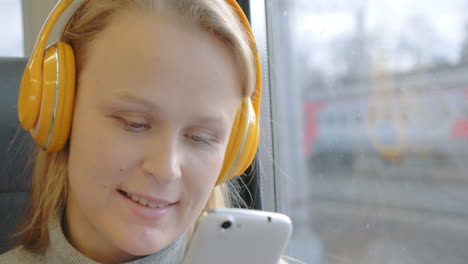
column 128, row 97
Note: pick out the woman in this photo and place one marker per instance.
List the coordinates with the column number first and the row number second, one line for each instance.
column 165, row 111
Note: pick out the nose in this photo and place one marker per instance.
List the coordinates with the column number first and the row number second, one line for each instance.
column 161, row 160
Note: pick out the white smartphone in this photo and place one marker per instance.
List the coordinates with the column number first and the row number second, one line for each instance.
column 238, row 236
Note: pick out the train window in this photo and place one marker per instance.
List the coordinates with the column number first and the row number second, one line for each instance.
column 11, row 29
column 387, row 203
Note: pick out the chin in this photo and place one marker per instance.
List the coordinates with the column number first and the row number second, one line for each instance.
column 137, row 249
column 141, row 246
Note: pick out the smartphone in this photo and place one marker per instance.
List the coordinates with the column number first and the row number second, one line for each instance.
column 238, row 236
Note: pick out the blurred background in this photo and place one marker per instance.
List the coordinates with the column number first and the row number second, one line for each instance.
column 372, row 126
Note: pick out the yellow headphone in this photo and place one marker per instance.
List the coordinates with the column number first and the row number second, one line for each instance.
column 47, row 91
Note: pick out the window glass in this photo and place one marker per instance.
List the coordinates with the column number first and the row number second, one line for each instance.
column 371, row 123
column 11, row 29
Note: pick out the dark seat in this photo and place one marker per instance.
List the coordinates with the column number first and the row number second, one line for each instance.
column 14, row 174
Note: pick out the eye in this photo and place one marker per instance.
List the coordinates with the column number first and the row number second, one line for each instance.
column 199, row 140
column 137, row 126
column 134, row 126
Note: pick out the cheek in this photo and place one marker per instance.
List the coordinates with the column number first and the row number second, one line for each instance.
column 96, row 156
column 202, row 173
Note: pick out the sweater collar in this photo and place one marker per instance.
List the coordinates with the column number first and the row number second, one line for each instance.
column 61, row 251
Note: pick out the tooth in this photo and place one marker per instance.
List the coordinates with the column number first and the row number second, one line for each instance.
column 146, row 202
column 143, row 201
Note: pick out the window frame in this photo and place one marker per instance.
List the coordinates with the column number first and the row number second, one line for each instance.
column 265, row 160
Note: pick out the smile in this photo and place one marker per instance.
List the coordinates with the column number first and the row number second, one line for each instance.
column 144, row 201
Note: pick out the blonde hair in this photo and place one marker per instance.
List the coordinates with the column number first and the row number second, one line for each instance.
column 49, row 186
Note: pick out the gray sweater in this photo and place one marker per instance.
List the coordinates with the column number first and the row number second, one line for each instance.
column 61, row 252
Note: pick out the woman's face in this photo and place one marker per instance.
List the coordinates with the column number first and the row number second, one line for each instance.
column 154, row 109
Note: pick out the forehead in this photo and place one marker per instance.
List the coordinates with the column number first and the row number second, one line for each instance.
column 162, row 57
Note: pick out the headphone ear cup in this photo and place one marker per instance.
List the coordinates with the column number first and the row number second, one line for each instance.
column 54, row 122
column 249, row 150
column 242, row 145
column 28, row 110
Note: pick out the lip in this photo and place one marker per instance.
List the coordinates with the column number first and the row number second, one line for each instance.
column 149, row 198
column 146, row 212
